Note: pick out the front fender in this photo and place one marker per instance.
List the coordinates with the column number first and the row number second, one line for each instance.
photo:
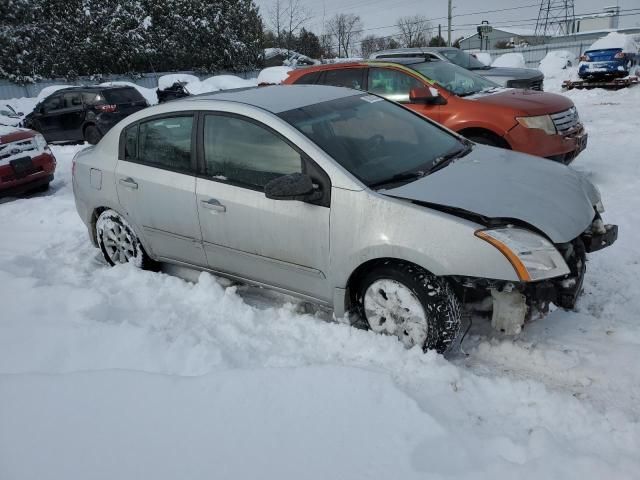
column 393, row 228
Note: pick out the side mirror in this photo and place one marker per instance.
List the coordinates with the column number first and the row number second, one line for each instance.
column 427, row 96
column 296, row 186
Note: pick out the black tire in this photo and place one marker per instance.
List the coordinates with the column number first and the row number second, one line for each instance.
column 92, row 134
column 440, row 304
column 110, row 219
column 485, row 139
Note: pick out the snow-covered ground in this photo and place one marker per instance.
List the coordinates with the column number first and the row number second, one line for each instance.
column 119, row 373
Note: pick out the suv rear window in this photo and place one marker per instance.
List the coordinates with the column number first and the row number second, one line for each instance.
column 123, row 95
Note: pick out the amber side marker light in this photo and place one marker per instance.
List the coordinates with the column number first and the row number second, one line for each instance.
column 518, row 266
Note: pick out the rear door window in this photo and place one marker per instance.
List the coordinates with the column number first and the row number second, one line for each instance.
column 346, row 77
column 89, row 98
column 308, row 79
column 53, row 103
column 122, row 95
column 163, row 142
column 72, row 100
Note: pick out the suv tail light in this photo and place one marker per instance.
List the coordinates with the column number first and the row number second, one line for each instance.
column 619, row 55
column 107, row 108
column 584, row 58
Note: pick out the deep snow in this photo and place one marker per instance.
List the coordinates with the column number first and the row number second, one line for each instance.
column 119, row 373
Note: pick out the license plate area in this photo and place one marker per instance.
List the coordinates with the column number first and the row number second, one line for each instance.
column 22, row 167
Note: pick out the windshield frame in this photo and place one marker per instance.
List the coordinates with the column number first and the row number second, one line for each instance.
column 490, row 84
column 459, row 144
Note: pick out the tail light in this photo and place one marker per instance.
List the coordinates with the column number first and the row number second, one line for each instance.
column 619, row 55
column 584, row 58
column 107, row 108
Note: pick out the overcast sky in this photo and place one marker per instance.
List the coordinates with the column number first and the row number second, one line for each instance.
column 378, row 16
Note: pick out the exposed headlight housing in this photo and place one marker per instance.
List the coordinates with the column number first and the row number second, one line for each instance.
column 40, row 142
column 533, row 257
column 542, row 122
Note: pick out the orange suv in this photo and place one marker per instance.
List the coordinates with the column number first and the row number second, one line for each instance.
column 538, row 123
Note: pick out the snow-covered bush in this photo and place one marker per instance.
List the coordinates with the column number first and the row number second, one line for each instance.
column 52, row 39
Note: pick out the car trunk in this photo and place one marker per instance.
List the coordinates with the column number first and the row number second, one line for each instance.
column 602, row 55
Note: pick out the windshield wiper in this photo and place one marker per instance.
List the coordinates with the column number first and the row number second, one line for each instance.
column 446, row 159
column 399, row 177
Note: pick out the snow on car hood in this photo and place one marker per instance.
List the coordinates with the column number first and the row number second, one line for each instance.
column 499, row 183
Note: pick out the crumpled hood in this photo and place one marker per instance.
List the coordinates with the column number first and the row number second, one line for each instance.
column 502, row 184
column 528, row 102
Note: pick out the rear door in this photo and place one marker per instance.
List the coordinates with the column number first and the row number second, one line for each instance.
column 156, row 185
column 71, row 116
column 280, row 243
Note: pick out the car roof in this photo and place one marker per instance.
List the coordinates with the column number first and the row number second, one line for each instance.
column 276, row 98
column 90, row 88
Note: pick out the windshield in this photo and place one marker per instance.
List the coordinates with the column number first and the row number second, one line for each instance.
column 374, row 139
column 463, row 59
column 457, row 80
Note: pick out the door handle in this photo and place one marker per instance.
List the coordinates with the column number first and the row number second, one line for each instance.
column 129, row 183
column 213, row 204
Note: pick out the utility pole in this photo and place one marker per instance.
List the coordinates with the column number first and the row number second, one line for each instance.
column 449, row 25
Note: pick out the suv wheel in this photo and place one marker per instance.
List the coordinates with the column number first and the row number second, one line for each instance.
column 92, row 134
column 119, row 244
column 406, row 301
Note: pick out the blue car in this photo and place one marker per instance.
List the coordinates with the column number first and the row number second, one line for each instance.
column 608, row 63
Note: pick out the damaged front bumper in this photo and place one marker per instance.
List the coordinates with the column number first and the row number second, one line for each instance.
column 513, row 303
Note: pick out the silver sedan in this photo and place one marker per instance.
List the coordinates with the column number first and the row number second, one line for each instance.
column 344, row 199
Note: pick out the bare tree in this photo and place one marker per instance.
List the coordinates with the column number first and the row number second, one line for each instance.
column 414, row 31
column 345, row 30
column 373, row 43
column 286, row 17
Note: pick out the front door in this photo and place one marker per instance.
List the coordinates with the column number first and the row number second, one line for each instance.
column 71, row 116
column 155, row 180
column 280, row 243
column 47, row 121
column 396, row 85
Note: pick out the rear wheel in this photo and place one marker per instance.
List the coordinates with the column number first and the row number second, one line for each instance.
column 406, row 301
column 92, row 134
column 119, row 244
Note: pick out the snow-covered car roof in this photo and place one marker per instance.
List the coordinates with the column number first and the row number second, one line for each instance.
column 278, row 98
column 615, row 40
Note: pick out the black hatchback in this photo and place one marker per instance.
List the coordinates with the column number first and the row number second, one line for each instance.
column 83, row 113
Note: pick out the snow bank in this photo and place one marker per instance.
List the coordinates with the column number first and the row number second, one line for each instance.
column 615, row 40
column 510, row 60
column 273, row 75
column 555, row 62
column 483, row 57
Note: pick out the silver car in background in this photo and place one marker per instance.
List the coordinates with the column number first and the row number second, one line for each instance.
column 345, row 199
column 527, row 78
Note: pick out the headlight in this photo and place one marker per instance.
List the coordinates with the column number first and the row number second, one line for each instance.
column 533, row 257
column 543, row 122
column 40, row 142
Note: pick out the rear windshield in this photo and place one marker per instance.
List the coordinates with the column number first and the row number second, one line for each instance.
column 462, row 59
column 123, row 95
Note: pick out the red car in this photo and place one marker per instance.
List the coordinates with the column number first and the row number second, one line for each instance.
column 26, row 163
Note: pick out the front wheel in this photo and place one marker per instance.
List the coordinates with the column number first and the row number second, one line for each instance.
column 406, row 301
column 118, row 243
